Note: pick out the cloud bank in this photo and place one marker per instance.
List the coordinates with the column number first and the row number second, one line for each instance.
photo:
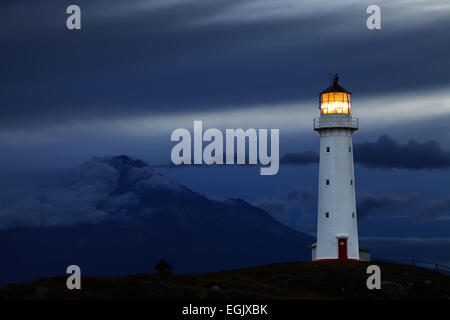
column 386, row 153
column 100, row 189
column 435, row 210
column 297, row 209
column 383, row 204
column 171, row 57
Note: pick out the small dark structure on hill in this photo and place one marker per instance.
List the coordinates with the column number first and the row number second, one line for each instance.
column 163, row 267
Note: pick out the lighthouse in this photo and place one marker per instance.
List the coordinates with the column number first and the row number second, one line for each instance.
column 337, row 229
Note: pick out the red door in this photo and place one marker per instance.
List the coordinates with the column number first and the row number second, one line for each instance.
column 342, row 249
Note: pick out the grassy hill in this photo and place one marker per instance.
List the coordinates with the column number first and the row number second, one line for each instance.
column 299, row 280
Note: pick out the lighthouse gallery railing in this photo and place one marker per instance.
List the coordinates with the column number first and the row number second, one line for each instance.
column 335, row 121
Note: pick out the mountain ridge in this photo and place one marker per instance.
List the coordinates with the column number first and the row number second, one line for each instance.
column 131, row 216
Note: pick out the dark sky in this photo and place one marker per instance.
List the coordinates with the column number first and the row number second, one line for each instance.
column 139, row 58
column 139, row 69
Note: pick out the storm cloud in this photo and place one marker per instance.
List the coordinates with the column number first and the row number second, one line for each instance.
column 383, row 204
column 386, row 153
column 375, row 204
column 387, row 204
column 139, row 57
column 435, row 210
column 302, row 158
column 297, row 210
column 101, row 188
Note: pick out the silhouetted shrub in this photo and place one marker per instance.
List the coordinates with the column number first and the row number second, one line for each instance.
column 163, row 267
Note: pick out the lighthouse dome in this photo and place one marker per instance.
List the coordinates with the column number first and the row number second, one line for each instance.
column 335, row 87
column 335, row 99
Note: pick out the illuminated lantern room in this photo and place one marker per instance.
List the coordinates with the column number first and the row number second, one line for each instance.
column 335, row 99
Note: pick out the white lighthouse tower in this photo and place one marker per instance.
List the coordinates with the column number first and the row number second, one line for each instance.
column 337, row 229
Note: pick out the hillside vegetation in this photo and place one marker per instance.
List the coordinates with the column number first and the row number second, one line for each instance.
column 298, row 280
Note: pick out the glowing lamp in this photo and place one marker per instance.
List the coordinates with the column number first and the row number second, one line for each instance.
column 335, row 99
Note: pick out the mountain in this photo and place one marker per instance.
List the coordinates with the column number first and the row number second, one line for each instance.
column 117, row 215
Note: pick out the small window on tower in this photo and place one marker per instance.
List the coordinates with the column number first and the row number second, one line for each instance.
column 351, row 182
column 353, row 215
column 327, row 182
column 349, row 149
column 327, row 215
column 328, row 149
